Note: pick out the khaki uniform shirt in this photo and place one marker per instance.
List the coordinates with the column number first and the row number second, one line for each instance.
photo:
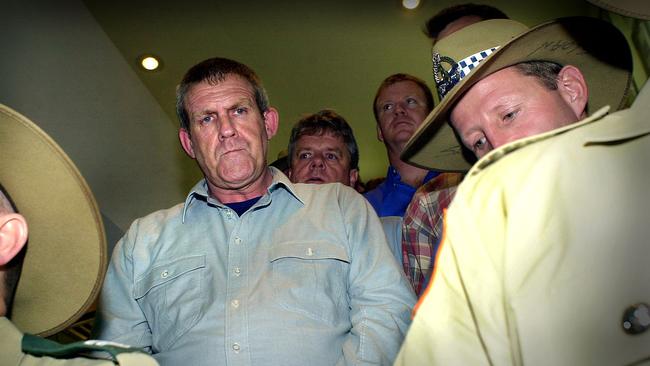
column 12, row 353
column 546, row 253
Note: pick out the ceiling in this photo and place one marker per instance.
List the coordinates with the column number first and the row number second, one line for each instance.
column 310, row 54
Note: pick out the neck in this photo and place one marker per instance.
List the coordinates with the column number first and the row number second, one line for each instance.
column 244, row 193
column 410, row 174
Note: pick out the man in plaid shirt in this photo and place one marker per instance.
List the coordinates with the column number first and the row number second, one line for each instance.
column 422, row 227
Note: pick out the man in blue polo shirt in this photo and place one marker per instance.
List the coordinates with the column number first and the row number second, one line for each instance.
column 401, row 104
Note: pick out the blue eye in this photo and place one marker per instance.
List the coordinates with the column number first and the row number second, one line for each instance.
column 331, row 157
column 206, row 119
column 305, row 155
column 387, row 107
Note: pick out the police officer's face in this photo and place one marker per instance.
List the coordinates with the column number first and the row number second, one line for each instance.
column 508, row 106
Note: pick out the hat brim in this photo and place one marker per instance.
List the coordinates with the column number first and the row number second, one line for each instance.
column 639, row 9
column 66, row 252
column 594, row 46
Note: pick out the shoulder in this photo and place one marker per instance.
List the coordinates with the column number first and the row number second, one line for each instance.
column 150, row 227
column 443, row 184
column 328, row 191
column 159, row 218
column 333, row 198
column 376, row 193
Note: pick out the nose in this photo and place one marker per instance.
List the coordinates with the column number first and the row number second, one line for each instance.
column 316, row 162
column 400, row 108
column 226, row 128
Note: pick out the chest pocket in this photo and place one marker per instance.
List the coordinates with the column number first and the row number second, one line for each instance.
column 311, row 278
column 171, row 296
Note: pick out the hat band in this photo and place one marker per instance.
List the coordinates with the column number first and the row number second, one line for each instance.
column 446, row 80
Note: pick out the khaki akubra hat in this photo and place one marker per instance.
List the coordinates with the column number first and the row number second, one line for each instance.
column 463, row 58
column 66, row 250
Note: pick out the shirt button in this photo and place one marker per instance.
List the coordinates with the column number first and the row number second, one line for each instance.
column 237, row 271
column 164, row 274
column 235, row 303
column 310, row 252
column 235, row 347
column 636, row 319
column 237, row 240
column 229, row 214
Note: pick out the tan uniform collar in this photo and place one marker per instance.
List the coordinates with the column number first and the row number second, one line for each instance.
column 497, row 154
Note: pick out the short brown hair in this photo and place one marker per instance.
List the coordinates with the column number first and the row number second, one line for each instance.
column 320, row 123
column 214, row 71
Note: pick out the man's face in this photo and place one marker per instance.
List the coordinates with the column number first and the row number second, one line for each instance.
column 228, row 135
column 322, row 159
column 507, row 106
column 401, row 108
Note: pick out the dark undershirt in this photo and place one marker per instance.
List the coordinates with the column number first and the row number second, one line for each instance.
column 241, row 207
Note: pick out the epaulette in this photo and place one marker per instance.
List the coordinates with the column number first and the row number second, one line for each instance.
column 37, row 346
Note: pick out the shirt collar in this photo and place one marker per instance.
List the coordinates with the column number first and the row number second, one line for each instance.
column 280, row 183
column 393, row 176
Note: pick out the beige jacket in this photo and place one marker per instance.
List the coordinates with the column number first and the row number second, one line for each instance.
column 547, row 244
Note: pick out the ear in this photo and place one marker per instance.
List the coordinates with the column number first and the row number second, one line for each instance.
column 573, row 88
column 354, row 177
column 289, row 173
column 271, row 122
column 186, row 142
column 380, row 136
column 13, row 236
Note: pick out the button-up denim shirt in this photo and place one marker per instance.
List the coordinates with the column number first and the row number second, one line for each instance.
column 304, row 277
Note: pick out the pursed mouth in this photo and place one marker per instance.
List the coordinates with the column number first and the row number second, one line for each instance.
column 315, row 180
column 232, row 151
column 398, row 123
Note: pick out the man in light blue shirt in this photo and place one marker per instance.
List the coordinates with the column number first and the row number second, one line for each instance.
column 252, row 269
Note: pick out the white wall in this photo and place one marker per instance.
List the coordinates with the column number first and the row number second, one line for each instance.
column 59, row 69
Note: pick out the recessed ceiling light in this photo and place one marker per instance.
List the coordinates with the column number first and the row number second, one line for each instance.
column 149, row 62
column 410, row 4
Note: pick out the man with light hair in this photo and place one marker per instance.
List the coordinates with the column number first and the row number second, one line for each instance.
column 545, row 244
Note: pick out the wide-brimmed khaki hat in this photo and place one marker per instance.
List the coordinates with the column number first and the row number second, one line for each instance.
column 463, row 58
column 66, row 250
